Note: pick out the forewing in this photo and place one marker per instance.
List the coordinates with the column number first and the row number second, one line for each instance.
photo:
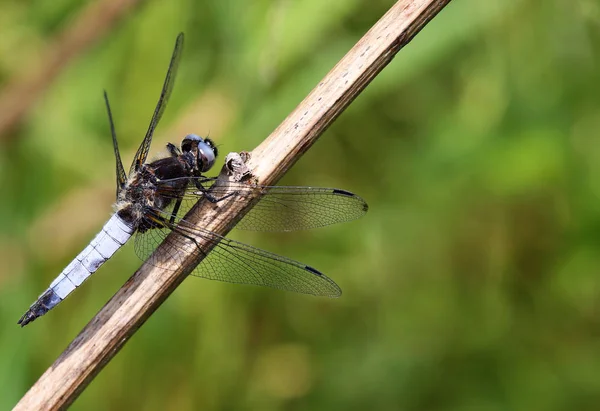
column 288, row 208
column 300, row 208
column 142, row 152
column 121, row 177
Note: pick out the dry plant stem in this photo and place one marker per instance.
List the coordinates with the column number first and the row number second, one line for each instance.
column 102, row 338
column 19, row 95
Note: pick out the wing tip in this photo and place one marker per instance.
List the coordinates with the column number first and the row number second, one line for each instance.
column 335, row 292
column 339, row 191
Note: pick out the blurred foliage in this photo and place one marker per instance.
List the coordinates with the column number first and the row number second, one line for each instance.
column 472, row 283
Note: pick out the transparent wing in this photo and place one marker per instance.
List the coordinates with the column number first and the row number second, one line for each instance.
column 230, row 261
column 142, row 152
column 285, row 208
column 121, row 177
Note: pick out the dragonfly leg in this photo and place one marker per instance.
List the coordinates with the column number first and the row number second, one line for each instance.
column 209, row 196
column 175, row 210
column 173, row 150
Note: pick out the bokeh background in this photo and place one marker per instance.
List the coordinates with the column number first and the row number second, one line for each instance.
column 472, row 283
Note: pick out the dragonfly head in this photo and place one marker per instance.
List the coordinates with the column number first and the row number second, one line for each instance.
column 203, row 149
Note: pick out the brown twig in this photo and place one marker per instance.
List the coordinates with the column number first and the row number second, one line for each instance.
column 102, row 338
column 92, row 23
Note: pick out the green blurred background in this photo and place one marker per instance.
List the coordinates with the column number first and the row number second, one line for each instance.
column 472, row 283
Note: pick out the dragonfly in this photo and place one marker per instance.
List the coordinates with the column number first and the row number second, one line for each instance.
column 153, row 199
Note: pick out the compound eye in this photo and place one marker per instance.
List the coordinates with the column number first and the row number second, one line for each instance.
column 188, row 143
column 206, row 156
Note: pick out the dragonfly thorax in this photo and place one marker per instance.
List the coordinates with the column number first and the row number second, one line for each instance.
column 156, row 185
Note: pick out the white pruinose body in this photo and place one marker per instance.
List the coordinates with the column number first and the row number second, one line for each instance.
column 113, row 236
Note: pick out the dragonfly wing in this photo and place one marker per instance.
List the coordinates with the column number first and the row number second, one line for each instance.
column 300, row 208
column 236, row 262
column 287, row 208
column 121, row 176
column 142, row 152
column 231, row 261
column 162, row 223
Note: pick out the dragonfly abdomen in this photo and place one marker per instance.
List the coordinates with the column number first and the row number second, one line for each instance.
column 113, row 235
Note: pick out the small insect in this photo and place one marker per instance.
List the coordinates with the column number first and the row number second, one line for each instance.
column 153, row 199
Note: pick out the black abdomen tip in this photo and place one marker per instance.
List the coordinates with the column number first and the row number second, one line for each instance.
column 28, row 317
